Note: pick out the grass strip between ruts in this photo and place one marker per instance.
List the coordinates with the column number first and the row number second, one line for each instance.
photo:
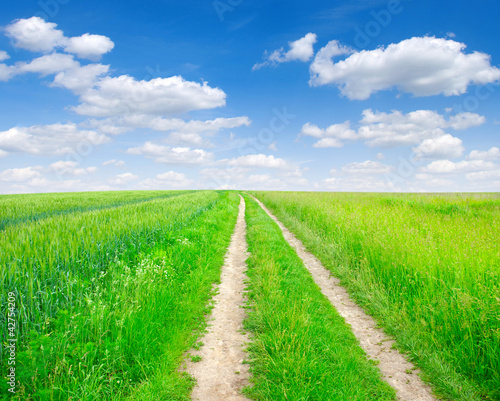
column 301, row 348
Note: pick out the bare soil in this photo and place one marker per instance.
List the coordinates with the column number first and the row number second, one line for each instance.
column 396, row 370
column 221, row 374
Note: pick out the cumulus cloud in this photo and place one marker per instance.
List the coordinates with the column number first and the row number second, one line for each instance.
column 425, row 128
column 89, row 46
column 20, row 174
column 55, row 139
column 491, row 154
column 464, row 166
column 123, row 179
column 79, row 78
column 443, row 147
column 48, row 64
column 422, row 66
column 367, row 167
column 62, row 167
column 301, row 49
column 171, row 155
column 188, row 131
column 114, row 162
column 258, row 160
column 330, row 137
column 3, row 55
column 37, row 35
column 117, row 96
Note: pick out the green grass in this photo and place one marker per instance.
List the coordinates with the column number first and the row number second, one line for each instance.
column 426, row 266
column 18, row 209
column 110, row 300
column 301, row 348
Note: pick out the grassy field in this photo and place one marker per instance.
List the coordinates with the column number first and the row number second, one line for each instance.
column 108, row 300
column 426, row 266
column 112, row 289
column 301, row 348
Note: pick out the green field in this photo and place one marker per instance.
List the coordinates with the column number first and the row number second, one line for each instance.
column 112, row 289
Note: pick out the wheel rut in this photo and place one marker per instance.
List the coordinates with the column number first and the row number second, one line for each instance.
column 396, row 370
column 221, row 373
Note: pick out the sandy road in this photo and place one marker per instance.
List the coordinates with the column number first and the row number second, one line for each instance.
column 221, row 374
column 396, row 370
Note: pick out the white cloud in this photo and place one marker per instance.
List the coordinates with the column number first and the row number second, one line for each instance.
column 6, row 72
column 35, row 34
column 169, row 155
column 20, row 174
column 123, row 179
column 116, row 96
column 331, row 136
column 367, row 167
column 78, row 78
column 355, row 184
column 449, row 167
column 425, row 128
column 258, row 160
column 62, row 167
column 466, row 120
column 491, row 154
column 48, row 64
column 422, row 66
column 443, row 147
column 484, row 175
column 184, row 131
column 301, row 49
column 114, row 162
column 89, row 46
column 3, row 153
column 3, row 55
column 55, row 139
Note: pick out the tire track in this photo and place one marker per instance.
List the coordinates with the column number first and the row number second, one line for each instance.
column 396, row 370
column 221, row 374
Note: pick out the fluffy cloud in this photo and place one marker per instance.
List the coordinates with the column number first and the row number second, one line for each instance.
column 20, row 174
column 123, row 179
column 331, row 136
column 491, row 154
column 258, row 160
column 114, row 162
column 367, row 167
column 37, row 35
column 89, row 46
column 48, row 64
column 62, row 167
column 3, row 55
column 424, row 128
column 443, row 147
column 116, row 96
column 55, row 139
column 184, row 131
column 168, row 155
column 422, row 66
column 79, row 78
column 301, row 49
column 465, row 166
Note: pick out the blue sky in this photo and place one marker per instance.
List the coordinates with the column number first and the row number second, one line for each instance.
column 325, row 96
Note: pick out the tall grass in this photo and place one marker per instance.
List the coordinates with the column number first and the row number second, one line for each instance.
column 301, row 348
column 109, row 300
column 16, row 209
column 426, row 266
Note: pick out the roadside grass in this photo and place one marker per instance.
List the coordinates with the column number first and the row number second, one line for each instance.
column 301, row 348
column 18, row 209
column 427, row 267
column 110, row 316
